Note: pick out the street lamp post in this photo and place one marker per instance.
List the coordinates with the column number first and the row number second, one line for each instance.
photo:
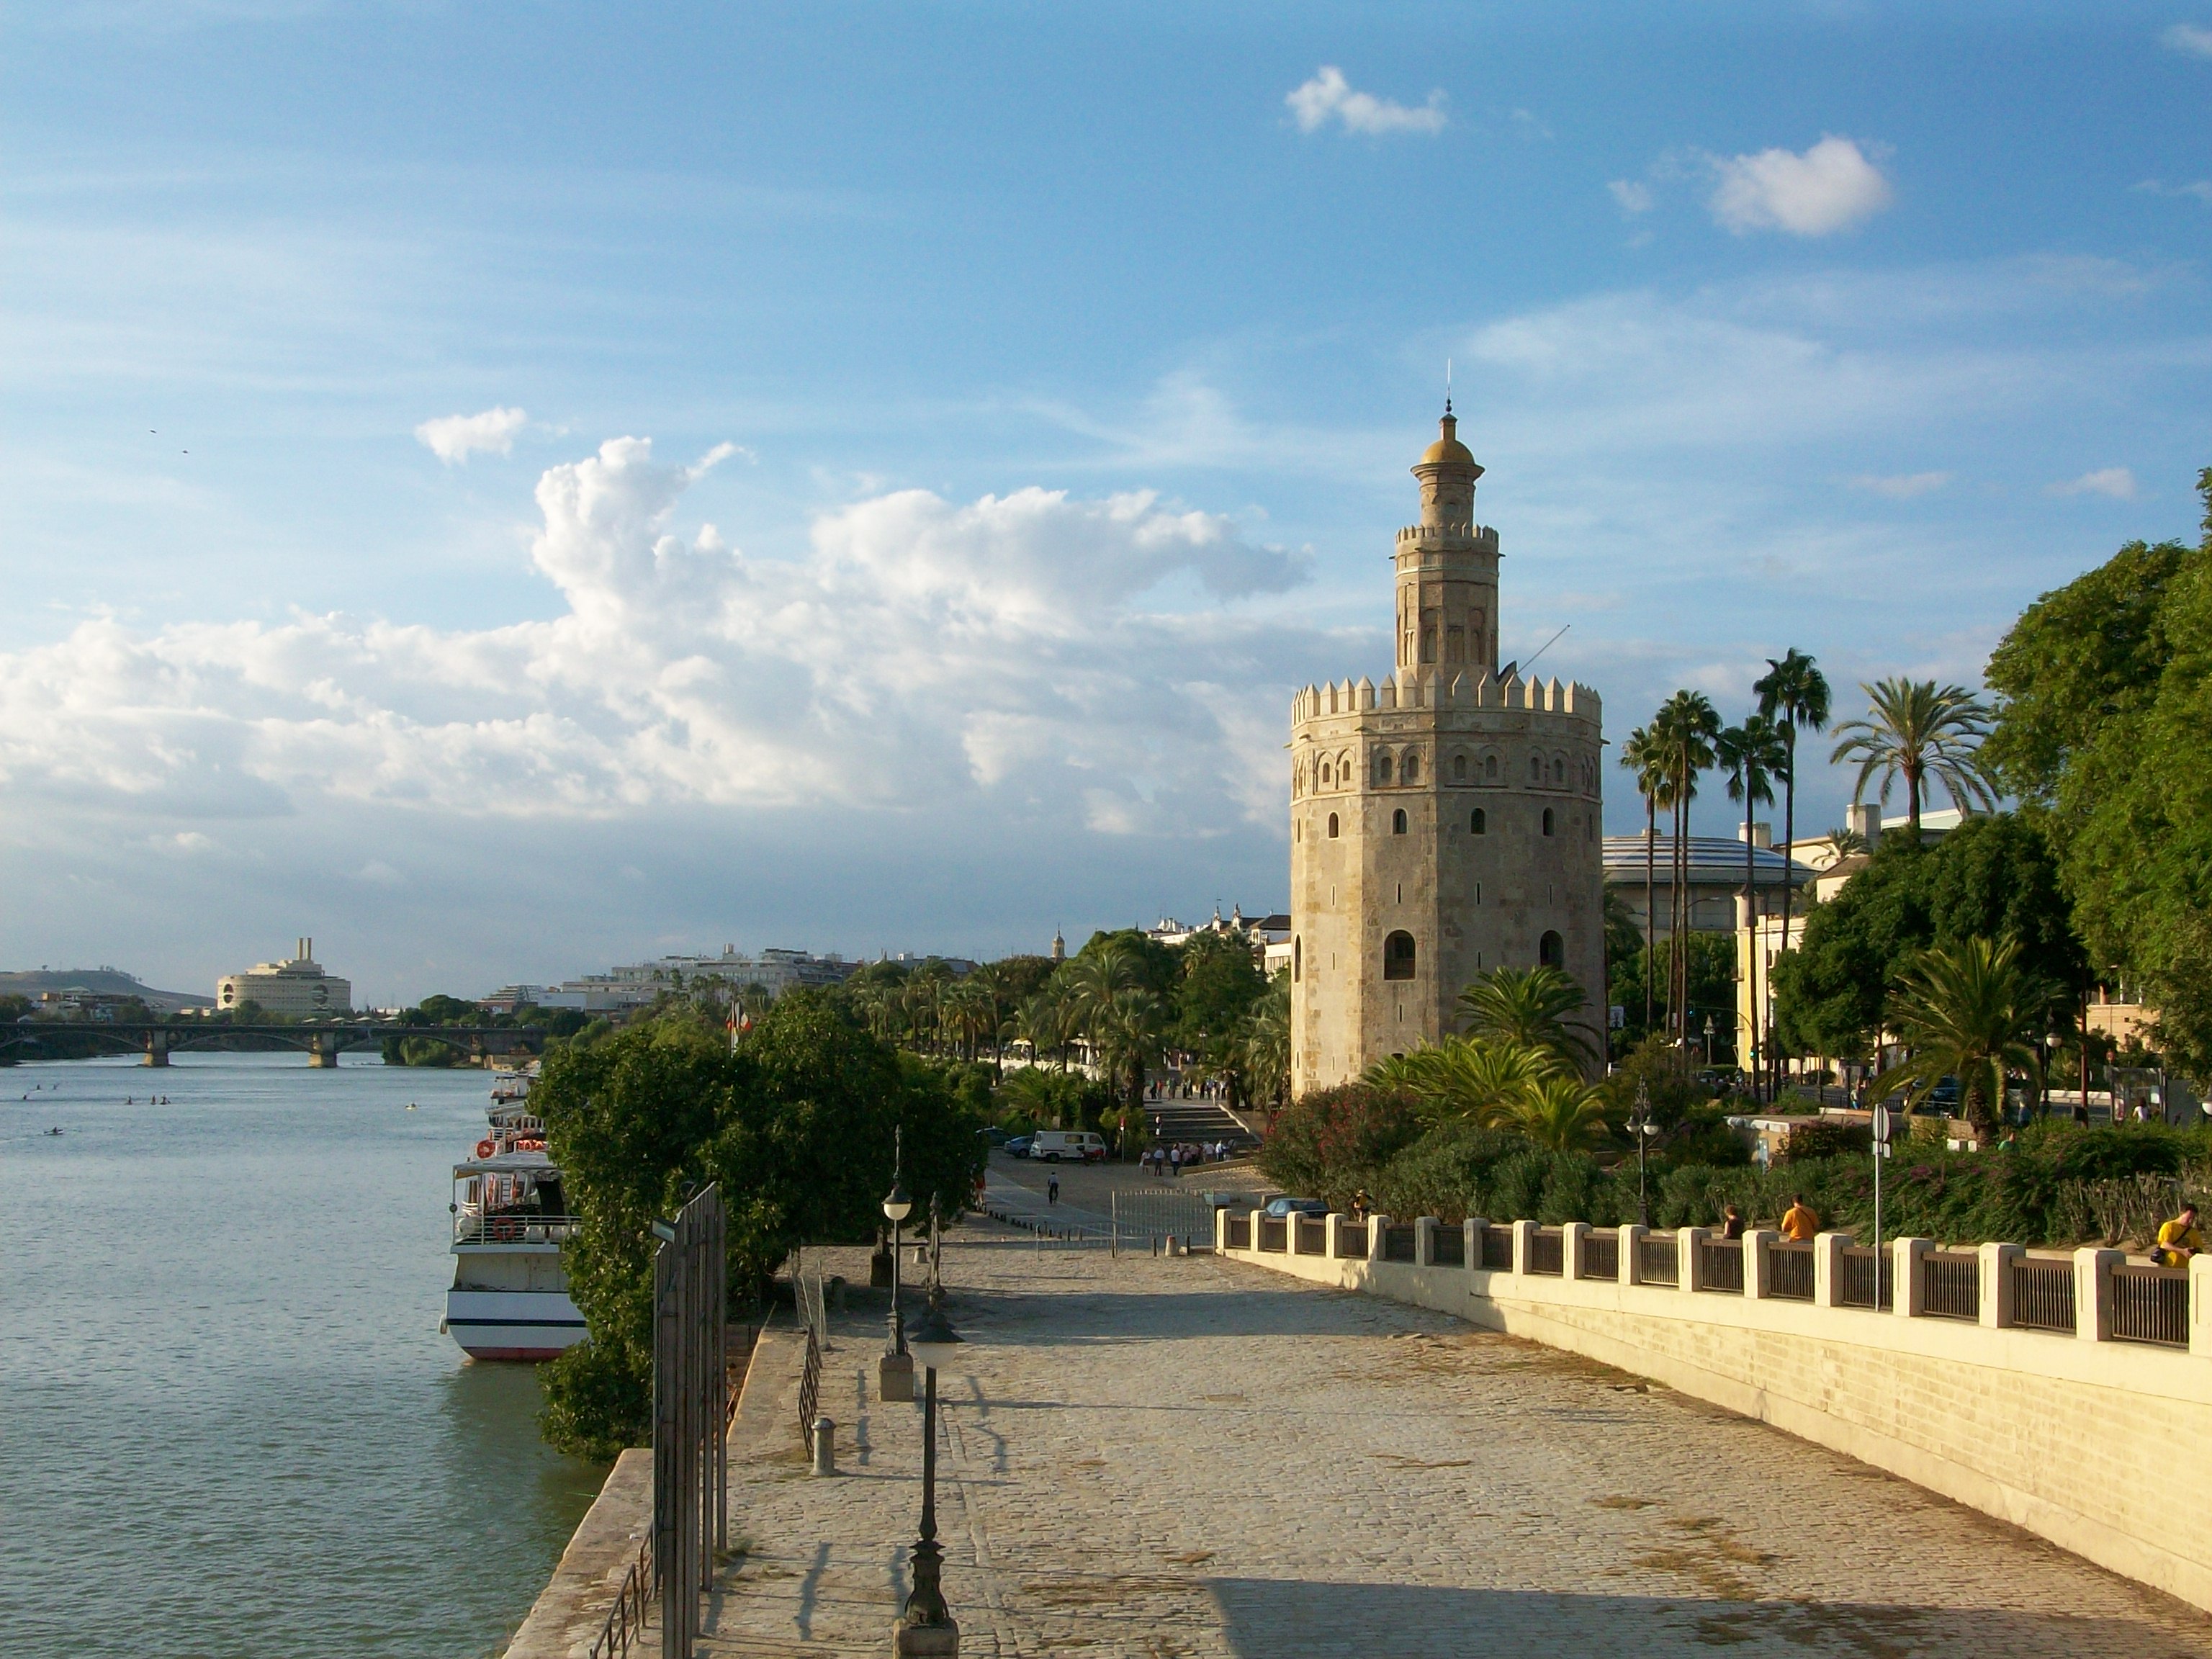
column 1641, row 1122
column 895, row 1371
column 926, row 1628
column 1709, row 1041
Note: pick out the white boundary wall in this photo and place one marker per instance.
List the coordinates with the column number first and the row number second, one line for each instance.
column 2104, row 1447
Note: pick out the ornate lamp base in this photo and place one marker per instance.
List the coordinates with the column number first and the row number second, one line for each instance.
column 895, row 1377
column 926, row 1641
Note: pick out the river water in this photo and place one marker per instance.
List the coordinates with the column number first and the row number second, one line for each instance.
column 229, row 1423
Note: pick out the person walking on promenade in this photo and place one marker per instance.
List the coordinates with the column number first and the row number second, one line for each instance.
column 1731, row 1222
column 1052, row 1190
column 2178, row 1240
column 1800, row 1221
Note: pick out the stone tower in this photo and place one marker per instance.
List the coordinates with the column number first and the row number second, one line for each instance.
column 1443, row 823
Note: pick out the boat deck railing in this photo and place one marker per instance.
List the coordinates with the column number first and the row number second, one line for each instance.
column 514, row 1227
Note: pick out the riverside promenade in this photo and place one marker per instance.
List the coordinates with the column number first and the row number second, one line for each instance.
column 1191, row 1456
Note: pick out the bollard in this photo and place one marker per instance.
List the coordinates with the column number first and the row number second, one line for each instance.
column 837, row 1292
column 825, row 1446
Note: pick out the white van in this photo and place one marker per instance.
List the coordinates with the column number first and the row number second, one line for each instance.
column 1054, row 1146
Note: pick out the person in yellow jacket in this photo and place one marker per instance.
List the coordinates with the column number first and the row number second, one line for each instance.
column 2178, row 1240
column 1800, row 1221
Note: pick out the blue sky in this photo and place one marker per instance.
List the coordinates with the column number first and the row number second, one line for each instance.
column 508, row 489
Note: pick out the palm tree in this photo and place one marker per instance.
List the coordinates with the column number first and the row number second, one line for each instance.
column 1266, row 1042
column 1643, row 755
column 1921, row 732
column 1530, row 1007
column 1751, row 754
column 1685, row 728
column 1793, row 693
column 1047, row 1022
column 1559, row 1113
column 1969, row 1012
column 1469, row 1080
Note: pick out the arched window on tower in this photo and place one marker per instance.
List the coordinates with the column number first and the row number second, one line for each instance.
column 1398, row 961
column 1480, row 824
column 1297, row 959
column 1551, row 951
column 1324, row 775
column 1381, row 768
column 1536, row 769
column 1490, row 769
column 1459, row 768
column 1398, row 821
column 1547, row 820
column 1409, row 770
column 1332, row 826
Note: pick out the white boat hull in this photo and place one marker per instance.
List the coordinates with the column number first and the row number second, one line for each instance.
column 512, row 1324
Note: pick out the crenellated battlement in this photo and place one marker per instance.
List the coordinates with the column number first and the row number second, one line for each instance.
column 1462, row 689
column 1438, row 535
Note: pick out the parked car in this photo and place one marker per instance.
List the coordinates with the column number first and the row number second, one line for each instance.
column 1278, row 1207
column 996, row 1136
column 1017, row 1146
column 1070, row 1145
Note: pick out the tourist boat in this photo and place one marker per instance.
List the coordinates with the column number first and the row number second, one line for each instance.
column 510, row 1294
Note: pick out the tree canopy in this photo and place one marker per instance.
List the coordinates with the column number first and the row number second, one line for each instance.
column 2104, row 723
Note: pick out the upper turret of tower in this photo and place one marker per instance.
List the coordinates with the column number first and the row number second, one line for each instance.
column 1446, row 471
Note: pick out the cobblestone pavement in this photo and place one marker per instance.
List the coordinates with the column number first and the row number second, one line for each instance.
column 1191, row 1457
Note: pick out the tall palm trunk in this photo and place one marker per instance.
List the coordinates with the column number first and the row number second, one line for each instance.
column 1749, row 1051
column 1788, row 857
column 1651, row 904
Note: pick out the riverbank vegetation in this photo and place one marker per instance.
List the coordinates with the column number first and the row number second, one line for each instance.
column 796, row 1119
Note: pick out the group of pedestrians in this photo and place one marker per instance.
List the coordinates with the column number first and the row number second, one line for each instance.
column 1170, row 1161
column 1800, row 1222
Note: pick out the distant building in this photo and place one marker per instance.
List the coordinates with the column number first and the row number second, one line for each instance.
column 1257, row 932
column 292, row 989
column 508, row 998
column 642, row 984
column 1715, row 879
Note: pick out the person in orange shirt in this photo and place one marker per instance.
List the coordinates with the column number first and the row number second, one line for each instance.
column 1801, row 1222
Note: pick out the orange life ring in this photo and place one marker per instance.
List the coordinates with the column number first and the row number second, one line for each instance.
column 484, row 1149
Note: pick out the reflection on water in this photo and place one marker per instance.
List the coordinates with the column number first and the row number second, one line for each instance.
column 229, row 1423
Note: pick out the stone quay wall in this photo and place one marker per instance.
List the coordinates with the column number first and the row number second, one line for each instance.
column 2101, row 1445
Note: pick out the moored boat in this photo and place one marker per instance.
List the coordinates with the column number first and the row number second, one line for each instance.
column 510, row 1295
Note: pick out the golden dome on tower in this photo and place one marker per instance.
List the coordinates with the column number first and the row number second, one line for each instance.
column 1448, row 450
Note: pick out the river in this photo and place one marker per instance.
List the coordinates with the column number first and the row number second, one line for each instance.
column 229, row 1423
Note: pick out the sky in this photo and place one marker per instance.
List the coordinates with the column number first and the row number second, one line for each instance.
column 509, row 491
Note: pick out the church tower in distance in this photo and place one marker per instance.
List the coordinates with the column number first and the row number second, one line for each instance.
column 1443, row 823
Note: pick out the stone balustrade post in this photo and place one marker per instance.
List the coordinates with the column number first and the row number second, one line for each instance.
column 1470, row 1244
column 1828, row 1268
column 1759, row 1263
column 1425, row 1241
column 1687, row 1241
column 1524, row 1233
column 1572, row 1234
column 2200, row 1304
column 1376, row 1226
column 2093, row 1293
column 1996, row 1260
column 1221, row 1230
column 1908, row 1291
column 1329, row 1225
column 1631, row 1255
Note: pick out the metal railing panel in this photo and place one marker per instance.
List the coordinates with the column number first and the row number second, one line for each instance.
column 1601, row 1255
column 1449, row 1247
column 1867, row 1276
column 690, row 1415
column 1546, row 1253
column 1313, row 1235
column 1400, row 1244
column 1274, row 1234
column 1720, row 1265
column 1951, row 1284
column 1658, row 1260
column 1351, row 1240
column 1497, row 1249
column 1240, row 1231
column 2043, row 1295
column 1789, row 1271
column 2150, row 1304
column 515, row 1227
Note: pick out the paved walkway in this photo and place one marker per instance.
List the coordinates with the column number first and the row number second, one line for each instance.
column 1189, row 1457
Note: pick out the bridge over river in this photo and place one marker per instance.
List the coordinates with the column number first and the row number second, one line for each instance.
column 323, row 1041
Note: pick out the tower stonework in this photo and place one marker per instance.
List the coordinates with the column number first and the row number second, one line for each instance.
column 1443, row 823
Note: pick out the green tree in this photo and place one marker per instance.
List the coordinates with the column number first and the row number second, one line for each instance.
column 1793, row 693
column 1558, row 1114
column 798, row 1125
column 1922, row 733
column 1534, row 1007
column 1468, row 1080
column 1684, row 731
column 2105, row 689
column 1970, row 1011
column 1266, row 1042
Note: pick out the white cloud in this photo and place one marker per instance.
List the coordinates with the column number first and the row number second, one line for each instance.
column 453, row 438
column 2200, row 189
column 1901, row 487
column 1329, row 96
column 2187, row 38
column 1631, row 196
column 2117, row 482
column 918, row 648
column 1831, row 187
